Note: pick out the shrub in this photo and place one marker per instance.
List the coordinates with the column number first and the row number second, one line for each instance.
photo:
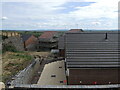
column 9, row 48
column 4, row 37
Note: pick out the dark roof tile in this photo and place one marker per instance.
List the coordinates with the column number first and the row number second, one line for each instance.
column 25, row 37
column 91, row 50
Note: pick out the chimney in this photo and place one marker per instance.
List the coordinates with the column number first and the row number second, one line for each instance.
column 106, row 37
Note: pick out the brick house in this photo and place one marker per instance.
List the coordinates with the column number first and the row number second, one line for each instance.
column 75, row 30
column 61, row 41
column 91, row 57
column 48, row 40
column 30, row 42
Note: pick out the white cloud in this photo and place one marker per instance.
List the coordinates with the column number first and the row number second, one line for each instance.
column 100, row 9
column 4, row 18
column 98, row 13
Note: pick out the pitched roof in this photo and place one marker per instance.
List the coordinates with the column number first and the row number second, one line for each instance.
column 48, row 34
column 91, row 50
column 75, row 30
column 61, row 39
column 25, row 37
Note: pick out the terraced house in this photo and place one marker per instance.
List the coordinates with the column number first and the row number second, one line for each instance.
column 10, row 34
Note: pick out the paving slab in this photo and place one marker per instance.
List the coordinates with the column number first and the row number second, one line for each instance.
column 53, row 74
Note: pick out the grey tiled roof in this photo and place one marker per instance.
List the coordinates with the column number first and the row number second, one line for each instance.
column 25, row 37
column 91, row 49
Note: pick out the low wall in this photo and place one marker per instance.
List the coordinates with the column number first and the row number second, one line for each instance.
column 25, row 76
column 68, row 87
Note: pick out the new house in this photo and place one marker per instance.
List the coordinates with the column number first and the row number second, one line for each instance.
column 48, row 40
column 92, row 58
column 30, row 42
column 61, row 41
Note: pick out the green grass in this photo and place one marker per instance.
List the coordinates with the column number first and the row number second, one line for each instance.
column 19, row 55
column 0, row 51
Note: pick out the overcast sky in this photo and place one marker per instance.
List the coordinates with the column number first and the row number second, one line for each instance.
column 60, row 14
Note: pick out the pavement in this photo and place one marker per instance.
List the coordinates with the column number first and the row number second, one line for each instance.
column 53, row 74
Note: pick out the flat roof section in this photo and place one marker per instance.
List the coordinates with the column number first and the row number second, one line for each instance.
column 53, row 74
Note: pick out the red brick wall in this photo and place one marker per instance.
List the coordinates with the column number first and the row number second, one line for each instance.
column 92, row 76
column 31, row 40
